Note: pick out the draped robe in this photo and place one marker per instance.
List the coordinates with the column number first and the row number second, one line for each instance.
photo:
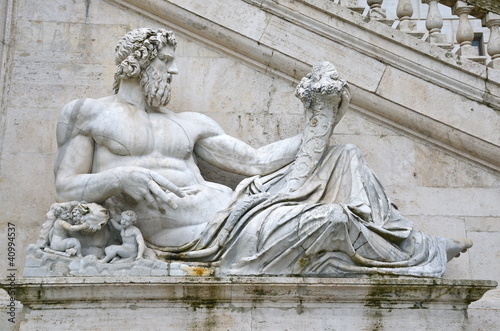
column 339, row 222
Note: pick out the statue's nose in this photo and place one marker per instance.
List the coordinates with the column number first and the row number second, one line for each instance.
column 172, row 69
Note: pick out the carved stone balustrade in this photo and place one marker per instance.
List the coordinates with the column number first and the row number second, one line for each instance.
column 404, row 11
column 492, row 21
column 465, row 32
column 376, row 10
column 434, row 23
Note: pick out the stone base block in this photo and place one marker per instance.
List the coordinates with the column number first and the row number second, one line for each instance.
column 407, row 26
column 468, row 51
column 494, row 64
column 246, row 303
column 438, row 38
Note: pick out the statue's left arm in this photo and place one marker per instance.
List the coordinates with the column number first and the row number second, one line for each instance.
column 233, row 155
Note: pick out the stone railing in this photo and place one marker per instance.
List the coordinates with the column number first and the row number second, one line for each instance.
column 462, row 42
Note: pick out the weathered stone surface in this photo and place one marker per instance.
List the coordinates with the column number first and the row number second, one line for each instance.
column 436, row 168
column 247, row 303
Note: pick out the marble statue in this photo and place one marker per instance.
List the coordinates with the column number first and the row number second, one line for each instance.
column 132, row 246
column 306, row 208
column 59, row 240
column 67, row 224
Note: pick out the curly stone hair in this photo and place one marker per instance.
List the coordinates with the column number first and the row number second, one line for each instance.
column 132, row 214
column 137, row 49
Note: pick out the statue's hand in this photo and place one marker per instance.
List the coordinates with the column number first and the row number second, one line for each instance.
column 84, row 226
column 143, row 184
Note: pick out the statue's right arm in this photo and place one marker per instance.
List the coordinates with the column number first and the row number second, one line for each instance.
column 73, row 228
column 75, row 154
column 115, row 224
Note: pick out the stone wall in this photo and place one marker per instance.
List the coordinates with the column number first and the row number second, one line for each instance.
column 62, row 50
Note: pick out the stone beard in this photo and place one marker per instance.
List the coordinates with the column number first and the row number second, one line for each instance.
column 156, row 86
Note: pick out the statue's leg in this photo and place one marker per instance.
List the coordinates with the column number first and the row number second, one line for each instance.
column 111, row 252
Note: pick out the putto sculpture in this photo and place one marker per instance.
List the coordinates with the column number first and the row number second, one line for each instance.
column 132, row 246
column 306, row 208
column 68, row 224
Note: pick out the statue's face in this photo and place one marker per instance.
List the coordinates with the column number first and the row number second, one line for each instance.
column 126, row 221
column 77, row 215
column 64, row 214
column 165, row 62
column 156, row 78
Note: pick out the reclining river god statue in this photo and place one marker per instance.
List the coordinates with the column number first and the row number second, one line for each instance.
column 305, row 208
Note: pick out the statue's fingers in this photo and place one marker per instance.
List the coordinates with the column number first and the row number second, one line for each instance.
column 136, row 196
column 160, row 195
column 166, row 184
column 151, row 201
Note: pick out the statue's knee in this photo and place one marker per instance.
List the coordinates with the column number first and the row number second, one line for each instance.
column 351, row 148
column 337, row 214
column 108, row 250
column 73, row 242
column 332, row 213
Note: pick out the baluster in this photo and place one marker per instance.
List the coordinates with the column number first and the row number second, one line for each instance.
column 404, row 11
column 465, row 33
column 434, row 23
column 376, row 10
column 492, row 21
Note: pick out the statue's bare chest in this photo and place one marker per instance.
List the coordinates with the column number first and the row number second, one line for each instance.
column 137, row 134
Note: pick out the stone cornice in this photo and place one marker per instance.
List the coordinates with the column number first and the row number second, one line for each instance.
column 112, row 292
column 243, row 303
column 338, row 30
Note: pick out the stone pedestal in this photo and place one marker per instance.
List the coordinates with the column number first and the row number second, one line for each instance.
column 246, row 303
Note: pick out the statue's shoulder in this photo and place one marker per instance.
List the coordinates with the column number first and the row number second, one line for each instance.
column 80, row 113
column 85, row 110
column 81, row 108
column 204, row 124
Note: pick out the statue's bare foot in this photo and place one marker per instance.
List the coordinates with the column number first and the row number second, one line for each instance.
column 455, row 247
column 71, row 251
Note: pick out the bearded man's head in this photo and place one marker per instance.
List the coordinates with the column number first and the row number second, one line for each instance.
column 133, row 56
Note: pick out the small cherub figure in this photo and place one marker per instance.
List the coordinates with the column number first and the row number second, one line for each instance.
column 133, row 243
column 59, row 238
